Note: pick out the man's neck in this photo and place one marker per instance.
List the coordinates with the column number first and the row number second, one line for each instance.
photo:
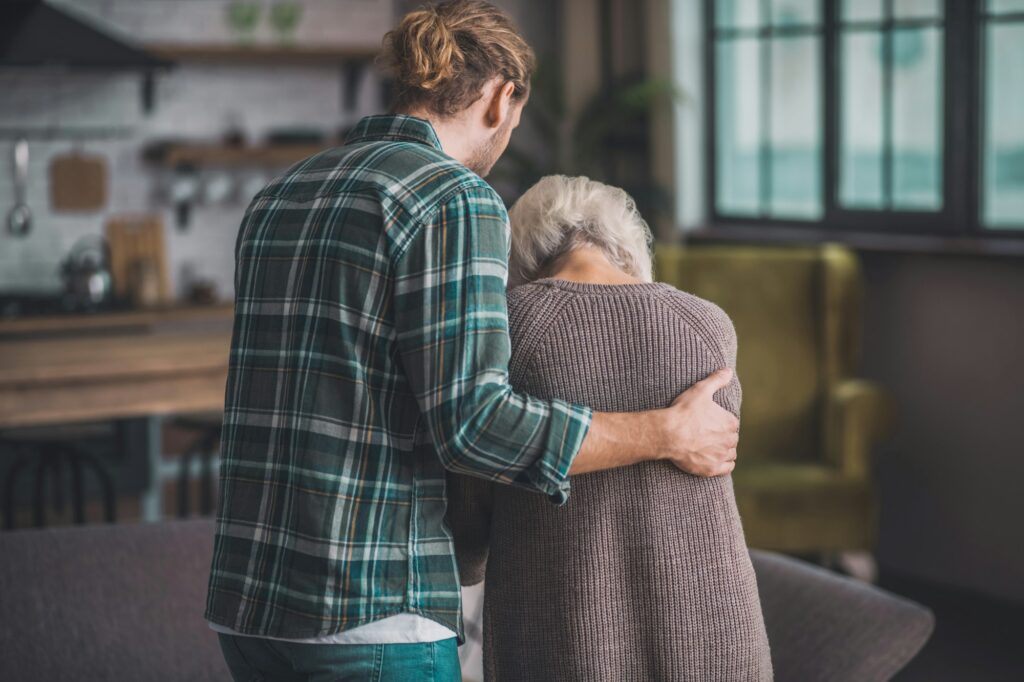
column 451, row 132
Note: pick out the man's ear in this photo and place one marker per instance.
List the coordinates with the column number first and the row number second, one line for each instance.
column 500, row 106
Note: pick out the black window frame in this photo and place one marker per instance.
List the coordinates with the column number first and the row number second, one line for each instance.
column 963, row 79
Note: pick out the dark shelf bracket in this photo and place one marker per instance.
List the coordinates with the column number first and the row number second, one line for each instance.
column 148, row 92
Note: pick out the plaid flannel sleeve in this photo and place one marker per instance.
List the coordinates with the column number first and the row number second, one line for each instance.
column 452, row 331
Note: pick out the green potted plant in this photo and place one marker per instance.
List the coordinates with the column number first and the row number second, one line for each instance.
column 607, row 140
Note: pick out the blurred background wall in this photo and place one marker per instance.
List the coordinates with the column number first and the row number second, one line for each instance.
column 945, row 334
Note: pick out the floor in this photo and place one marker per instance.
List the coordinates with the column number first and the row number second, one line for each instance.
column 976, row 638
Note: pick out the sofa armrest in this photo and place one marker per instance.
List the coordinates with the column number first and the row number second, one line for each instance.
column 825, row 626
column 859, row 413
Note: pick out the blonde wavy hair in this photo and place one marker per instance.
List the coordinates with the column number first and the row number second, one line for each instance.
column 441, row 55
column 560, row 213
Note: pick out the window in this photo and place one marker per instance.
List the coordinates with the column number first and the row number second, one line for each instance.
column 1002, row 202
column 768, row 132
column 890, row 104
column 893, row 115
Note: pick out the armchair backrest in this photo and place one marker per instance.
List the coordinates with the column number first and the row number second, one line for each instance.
column 797, row 313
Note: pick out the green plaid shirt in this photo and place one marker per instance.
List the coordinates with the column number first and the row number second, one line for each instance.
column 369, row 354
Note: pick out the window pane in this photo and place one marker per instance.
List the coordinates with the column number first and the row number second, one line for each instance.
column 917, row 9
column 795, row 135
column 861, row 127
column 917, row 119
column 1003, row 195
column 738, row 127
column 995, row 6
column 738, row 13
column 862, row 10
column 795, row 12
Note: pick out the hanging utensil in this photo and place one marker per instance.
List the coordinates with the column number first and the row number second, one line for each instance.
column 19, row 219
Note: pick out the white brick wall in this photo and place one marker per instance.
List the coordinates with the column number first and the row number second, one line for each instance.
column 194, row 101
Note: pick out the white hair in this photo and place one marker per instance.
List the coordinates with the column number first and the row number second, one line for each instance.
column 561, row 213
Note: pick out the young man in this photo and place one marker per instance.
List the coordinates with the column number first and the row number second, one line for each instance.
column 370, row 353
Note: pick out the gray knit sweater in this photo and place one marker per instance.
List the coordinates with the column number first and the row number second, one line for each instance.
column 644, row 573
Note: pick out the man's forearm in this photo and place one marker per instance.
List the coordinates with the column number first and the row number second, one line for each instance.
column 617, row 439
column 695, row 433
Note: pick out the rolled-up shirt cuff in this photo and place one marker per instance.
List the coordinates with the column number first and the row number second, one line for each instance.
column 567, row 428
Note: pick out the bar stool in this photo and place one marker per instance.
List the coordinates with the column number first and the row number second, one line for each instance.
column 46, row 454
column 208, row 426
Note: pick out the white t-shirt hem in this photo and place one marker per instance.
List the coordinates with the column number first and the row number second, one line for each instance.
column 403, row 628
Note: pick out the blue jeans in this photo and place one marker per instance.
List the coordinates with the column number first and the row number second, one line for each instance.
column 256, row 659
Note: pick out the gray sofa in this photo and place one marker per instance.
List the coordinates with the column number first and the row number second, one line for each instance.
column 125, row 602
column 107, row 602
column 824, row 627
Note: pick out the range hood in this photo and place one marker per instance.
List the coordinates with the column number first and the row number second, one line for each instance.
column 35, row 33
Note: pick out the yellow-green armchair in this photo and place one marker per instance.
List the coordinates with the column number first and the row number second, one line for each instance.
column 803, row 477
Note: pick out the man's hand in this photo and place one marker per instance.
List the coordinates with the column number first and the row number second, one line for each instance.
column 700, row 435
column 694, row 433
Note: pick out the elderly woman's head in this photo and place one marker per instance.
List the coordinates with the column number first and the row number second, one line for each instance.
column 560, row 214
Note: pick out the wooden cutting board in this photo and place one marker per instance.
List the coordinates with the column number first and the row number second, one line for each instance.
column 135, row 239
column 78, row 182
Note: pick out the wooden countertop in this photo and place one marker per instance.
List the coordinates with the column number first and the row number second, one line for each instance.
column 110, row 357
column 127, row 319
column 113, row 366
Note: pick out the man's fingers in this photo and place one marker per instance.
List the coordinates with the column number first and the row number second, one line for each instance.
column 716, row 380
column 709, row 384
column 713, row 467
column 724, row 468
column 718, row 469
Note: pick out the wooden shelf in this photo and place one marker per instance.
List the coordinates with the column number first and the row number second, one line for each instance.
column 261, row 54
column 219, row 155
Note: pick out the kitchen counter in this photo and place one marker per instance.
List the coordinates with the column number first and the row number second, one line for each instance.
column 118, row 365
column 140, row 320
column 111, row 366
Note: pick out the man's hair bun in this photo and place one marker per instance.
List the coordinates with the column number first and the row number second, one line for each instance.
column 440, row 56
column 429, row 50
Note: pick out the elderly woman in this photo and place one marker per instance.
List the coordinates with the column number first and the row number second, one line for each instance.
column 644, row 573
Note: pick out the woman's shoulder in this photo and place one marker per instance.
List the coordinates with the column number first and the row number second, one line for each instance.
column 707, row 318
column 533, row 307
column 525, row 294
column 529, row 299
column 692, row 304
